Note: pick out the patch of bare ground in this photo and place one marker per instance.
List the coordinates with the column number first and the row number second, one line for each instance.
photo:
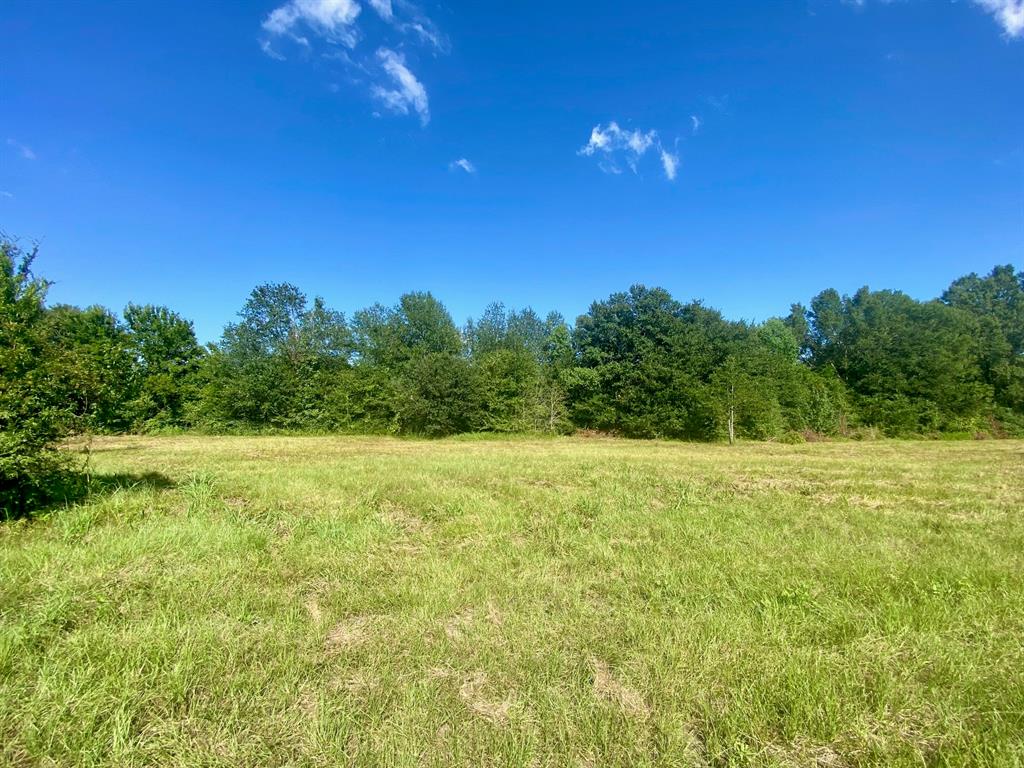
column 358, row 683
column 610, row 689
column 347, row 633
column 438, row 673
column 799, row 754
column 316, row 615
column 459, row 626
column 476, row 693
column 308, row 704
column 494, row 615
column 400, row 517
column 820, row 493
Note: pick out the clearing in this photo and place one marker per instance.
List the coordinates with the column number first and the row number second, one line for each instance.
column 308, row 601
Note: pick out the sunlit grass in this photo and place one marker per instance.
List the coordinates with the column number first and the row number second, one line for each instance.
column 345, row 601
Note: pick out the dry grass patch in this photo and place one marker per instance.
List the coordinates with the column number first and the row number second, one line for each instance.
column 483, row 701
column 348, row 633
column 608, row 688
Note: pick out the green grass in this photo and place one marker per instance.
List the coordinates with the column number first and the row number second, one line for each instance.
column 362, row 601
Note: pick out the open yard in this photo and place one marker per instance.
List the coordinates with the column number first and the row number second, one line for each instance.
column 565, row 602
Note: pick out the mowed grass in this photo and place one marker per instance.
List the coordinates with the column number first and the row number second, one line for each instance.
column 347, row 601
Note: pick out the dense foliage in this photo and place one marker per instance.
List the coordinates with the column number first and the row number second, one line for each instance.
column 639, row 363
column 33, row 409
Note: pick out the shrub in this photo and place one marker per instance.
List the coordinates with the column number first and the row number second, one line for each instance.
column 33, row 412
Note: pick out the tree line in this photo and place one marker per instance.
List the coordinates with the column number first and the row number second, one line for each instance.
column 639, row 364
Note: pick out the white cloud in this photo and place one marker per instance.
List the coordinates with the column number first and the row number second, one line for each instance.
column 25, row 151
column 5, row 193
column 425, row 30
column 383, row 9
column 462, row 163
column 615, row 145
column 1009, row 14
column 334, row 25
column 613, row 138
column 697, row 123
column 599, row 140
column 670, row 163
column 640, row 142
column 409, row 93
column 269, row 50
column 330, row 19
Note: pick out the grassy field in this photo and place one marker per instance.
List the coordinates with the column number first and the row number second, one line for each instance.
column 570, row 602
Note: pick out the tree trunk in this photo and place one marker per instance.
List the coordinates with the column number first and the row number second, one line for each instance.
column 732, row 415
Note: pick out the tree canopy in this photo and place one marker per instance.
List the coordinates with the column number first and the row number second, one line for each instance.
column 639, row 363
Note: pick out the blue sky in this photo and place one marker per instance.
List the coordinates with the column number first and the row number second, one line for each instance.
column 180, row 153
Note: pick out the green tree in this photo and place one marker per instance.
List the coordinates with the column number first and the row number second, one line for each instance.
column 392, row 336
column 34, row 412
column 410, row 366
column 168, row 357
column 558, row 360
column 510, row 390
column 910, row 366
column 438, row 396
column 278, row 365
column 996, row 302
column 90, row 351
column 651, row 361
column 516, row 356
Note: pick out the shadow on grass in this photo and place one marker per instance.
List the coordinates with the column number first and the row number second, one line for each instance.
column 67, row 489
column 101, row 484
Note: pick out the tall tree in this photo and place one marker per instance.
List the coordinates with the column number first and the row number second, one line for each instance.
column 647, row 361
column 911, row 366
column 996, row 301
column 168, row 358
column 91, row 351
column 392, row 336
column 512, row 354
column 273, row 368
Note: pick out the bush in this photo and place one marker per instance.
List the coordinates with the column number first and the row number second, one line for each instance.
column 33, row 410
column 31, row 479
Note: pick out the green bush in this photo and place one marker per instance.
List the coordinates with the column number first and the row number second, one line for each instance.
column 33, row 410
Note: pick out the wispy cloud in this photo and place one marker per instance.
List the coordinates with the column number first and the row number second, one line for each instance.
column 462, row 163
column 615, row 146
column 425, row 31
column 408, row 19
column 1008, row 13
column 721, row 104
column 408, row 92
column 333, row 30
column 383, row 9
column 25, row 151
column 670, row 163
column 697, row 122
column 330, row 19
column 268, row 49
column 5, row 193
